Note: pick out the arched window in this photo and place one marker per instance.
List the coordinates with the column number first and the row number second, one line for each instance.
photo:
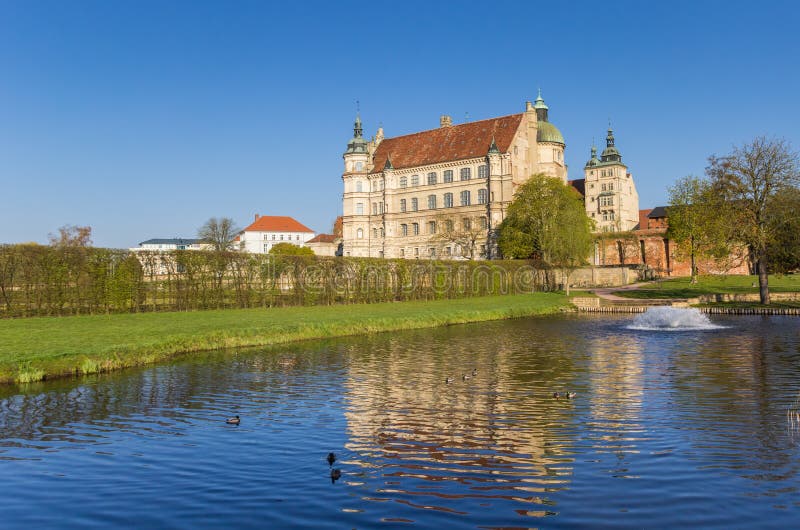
column 360, row 233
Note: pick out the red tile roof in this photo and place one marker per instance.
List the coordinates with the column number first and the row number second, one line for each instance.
column 276, row 223
column 323, row 238
column 457, row 142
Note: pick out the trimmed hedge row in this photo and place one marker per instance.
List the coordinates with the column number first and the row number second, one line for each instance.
column 40, row 280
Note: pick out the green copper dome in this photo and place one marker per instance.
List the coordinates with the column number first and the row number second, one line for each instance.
column 549, row 133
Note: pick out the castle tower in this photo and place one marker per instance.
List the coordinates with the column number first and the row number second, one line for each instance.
column 612, row 201
column 355, row 201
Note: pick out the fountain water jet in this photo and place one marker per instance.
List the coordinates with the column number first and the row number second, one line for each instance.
column 672, row 319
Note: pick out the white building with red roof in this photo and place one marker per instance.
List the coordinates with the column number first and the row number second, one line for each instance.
column 267, row 231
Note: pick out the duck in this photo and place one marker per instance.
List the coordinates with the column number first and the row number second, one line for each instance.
column 556, row 395
column 331, row 458
column 233, row 421
column 465, row 377
column 448, row 380
column 336, row 474
column 571, row 395
column 474, row 372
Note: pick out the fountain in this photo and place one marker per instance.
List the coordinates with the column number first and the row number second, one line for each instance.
column 672, row 319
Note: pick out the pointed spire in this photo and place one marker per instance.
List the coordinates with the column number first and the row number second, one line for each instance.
column 493, row 150
column 388, row 164
column 610, row 136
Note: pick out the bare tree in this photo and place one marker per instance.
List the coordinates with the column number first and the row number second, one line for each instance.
column 748, row 180
column 72, row 236
column 219, row 233
column 462, row 232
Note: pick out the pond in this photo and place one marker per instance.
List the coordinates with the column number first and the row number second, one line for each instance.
column 667, row 428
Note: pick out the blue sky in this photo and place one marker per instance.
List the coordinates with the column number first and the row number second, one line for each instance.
column 143, row 119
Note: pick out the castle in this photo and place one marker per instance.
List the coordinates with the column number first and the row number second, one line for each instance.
column 443, row 193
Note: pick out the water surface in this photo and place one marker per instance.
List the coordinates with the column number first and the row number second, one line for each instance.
column 667, row 429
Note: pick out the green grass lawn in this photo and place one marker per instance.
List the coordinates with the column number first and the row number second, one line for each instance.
column 682, row 288
column 36, row 348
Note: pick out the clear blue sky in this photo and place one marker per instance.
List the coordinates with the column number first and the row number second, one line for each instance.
column 143, row 119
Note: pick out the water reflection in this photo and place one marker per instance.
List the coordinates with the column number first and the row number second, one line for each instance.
column 710, row 418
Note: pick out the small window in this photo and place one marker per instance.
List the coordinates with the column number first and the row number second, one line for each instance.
column 448, row 200
column 360, row 233
column 402, row 205
column 266, row 247
column 359, row 166
column 432, row 252
column 414, row 204
column 447, row 251
column 483, row 171
column 482, row 196
column 359, row 210
column 382, row 232
column 403, row 182
column 404, row 230
column 431, row 179
column 374, row 233
column 465, row 200
column 273, row 237
column 610, row 186
column 448, row 176
column 359, row 186
column 466, row 173
column 415, row 180
column 431, row 227
column 374, row 208
column 482, row 222
column 402, row 253
column 416, row 251
column 431, row 202
column 297, row 238
column 466, row 223
column 415, row 228
column 449, row 225
column 380, row 207
column 281, row 237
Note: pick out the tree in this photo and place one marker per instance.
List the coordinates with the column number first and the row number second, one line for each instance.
column 784, row 250
column 462, row 232
column 288, row 249
column 697, row 221
column 72, row 236
column 547, row 219
column 219, row 233
column 748, row 180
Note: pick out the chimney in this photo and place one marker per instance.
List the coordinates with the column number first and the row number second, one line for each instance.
column 445, row 121
column 257, row 216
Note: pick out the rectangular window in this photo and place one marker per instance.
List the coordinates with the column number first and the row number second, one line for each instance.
column 482, row 196
column 483, row 171
column 602, row 187
column 415, row 228
column 416, row 251
column 465, row 198
column 415, row 180
column 431, row 179
column 380, row 207
column 359, row 211
column 482, row 222
column 431, row 227
column 414, row 204
column 404, row 230
column 447, row 251
column 448, row 225
column 431, row 202
column 448, row 200
column 374, row 208
column 432, row 252
column 466, row 173
column 273, row 237
column 297, row 238
column 266, row 247
column 374, row 233
column 610, row 186
column 402, row 205
column 448, row 176
column 403, row 182
column 281, row 237
column 466, row 223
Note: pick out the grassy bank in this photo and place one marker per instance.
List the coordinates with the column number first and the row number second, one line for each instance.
column 37, row 348
column 721, row 284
